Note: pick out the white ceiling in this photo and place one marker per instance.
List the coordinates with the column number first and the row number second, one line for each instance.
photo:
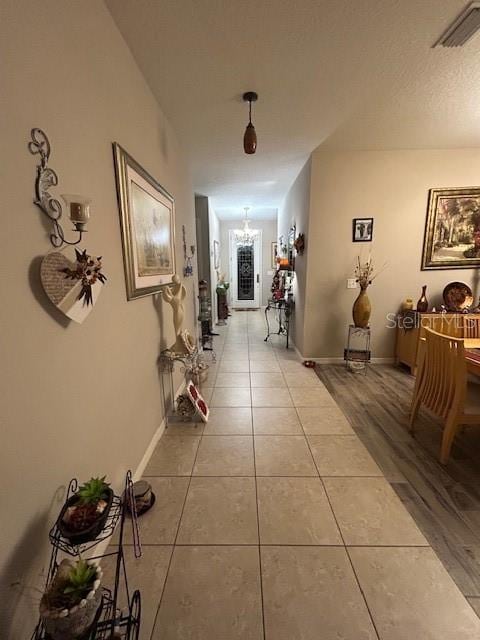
column 343, row 73
column 254, row 213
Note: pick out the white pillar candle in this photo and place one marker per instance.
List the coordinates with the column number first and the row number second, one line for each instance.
column 78, row 208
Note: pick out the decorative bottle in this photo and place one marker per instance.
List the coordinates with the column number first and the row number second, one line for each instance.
column 422, row 304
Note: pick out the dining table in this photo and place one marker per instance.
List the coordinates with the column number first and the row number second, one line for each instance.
column 472, row 355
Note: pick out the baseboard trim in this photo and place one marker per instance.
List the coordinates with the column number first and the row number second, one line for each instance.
column 138, row 473
column 339, row 360
column 297, row 352
column 102, row 546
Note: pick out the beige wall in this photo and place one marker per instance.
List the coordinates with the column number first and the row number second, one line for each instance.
column 296, row 211
column 269, row 235
column 392, row 187
column 77, row 400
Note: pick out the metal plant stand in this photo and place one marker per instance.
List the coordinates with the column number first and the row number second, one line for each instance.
column 111, row 621
column 205, row 316
column 194, row 368
column 356, row 359
column 284, row 309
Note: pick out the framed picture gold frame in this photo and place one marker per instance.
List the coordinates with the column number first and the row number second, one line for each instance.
column 452, row 229
column 274, row 254
column 216, row 254
column 147, row 221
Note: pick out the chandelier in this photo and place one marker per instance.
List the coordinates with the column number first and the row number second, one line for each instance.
column 245, row 237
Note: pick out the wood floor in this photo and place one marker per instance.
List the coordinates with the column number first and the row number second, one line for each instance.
column 444, row 501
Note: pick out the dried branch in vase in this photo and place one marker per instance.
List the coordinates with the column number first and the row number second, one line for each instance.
column 365, row 273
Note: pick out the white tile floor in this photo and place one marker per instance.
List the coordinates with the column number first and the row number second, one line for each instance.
column 274, row 521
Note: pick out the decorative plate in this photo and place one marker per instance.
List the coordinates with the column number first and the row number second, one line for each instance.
column 457, row 296
column 198, row 402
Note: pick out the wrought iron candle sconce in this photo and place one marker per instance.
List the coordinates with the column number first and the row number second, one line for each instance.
column 78, row 206
column 188, row 268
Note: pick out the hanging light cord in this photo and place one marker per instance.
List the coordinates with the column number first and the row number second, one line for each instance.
column 249, row 112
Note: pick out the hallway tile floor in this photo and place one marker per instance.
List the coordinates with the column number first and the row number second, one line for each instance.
column 274, row 522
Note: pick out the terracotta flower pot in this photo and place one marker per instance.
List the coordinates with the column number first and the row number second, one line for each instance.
column 361, row 310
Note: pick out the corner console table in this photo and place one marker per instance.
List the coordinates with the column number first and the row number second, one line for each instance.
column 193, row 367
column 284, row 309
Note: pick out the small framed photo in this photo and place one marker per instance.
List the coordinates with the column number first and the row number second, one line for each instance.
column 362, row 230
column 274, row 254
column 216, row 254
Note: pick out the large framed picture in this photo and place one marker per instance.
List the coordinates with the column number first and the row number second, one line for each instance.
column 147, row 219
column 452, row 229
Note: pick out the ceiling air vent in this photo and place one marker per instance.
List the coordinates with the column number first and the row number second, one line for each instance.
column 463, row 28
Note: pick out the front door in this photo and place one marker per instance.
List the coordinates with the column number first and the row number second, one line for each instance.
column 245, row 273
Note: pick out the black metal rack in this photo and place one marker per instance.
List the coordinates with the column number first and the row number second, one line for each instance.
column 284, row 310
column 191, row 367
column 110, row 618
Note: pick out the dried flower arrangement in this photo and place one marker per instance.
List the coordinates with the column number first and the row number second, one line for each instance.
column 364, row 272
column 88, row 270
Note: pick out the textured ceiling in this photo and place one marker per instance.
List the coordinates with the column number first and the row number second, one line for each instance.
column 348, row 74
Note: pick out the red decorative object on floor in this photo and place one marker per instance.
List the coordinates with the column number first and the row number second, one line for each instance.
column 310, row 364
column 198, row 402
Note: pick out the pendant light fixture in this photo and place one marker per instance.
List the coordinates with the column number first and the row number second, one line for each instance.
column 250, row 136
column 245, row 237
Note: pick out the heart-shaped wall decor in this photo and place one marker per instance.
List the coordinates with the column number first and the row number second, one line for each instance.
column 67, row 292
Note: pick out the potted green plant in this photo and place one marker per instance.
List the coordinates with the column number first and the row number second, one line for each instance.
column 84, row 514
column 70, row 603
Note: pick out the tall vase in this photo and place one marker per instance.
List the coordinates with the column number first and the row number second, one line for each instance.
column 422, row 304
column 361, row 310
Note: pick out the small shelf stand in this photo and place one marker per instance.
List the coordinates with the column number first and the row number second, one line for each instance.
column 193, row 367
column 284, row 310
column 110, row 619
column 357, row 359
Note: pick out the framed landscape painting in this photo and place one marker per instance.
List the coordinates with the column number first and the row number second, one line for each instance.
column 452, row 230
column 147, row 219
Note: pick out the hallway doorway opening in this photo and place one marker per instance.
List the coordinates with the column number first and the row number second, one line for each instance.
column 245, row 271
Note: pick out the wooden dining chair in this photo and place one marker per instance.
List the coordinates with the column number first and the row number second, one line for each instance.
column 441, row 386
column 471, row 327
